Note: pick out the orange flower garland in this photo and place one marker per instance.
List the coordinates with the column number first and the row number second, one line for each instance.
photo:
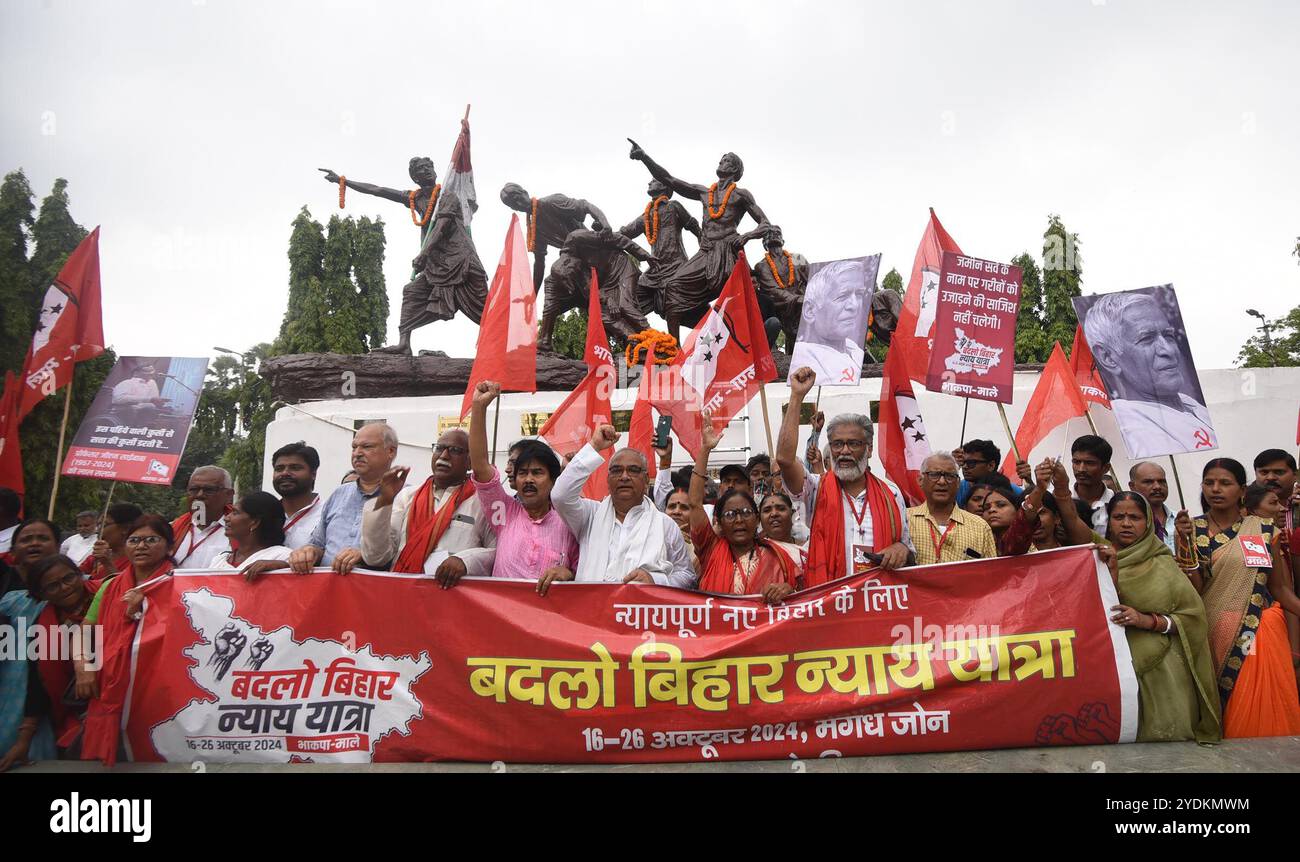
column 428, row 211
column 789, row 267
column 651, row 236
column 343, row 190
column 662, row 344
column 725, row 198
column 532, row 228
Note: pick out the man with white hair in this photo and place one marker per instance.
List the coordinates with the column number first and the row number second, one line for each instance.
column 858, row 520
column 954, row 534
column 200, row 533
column 1138, row 352
column 623, row 538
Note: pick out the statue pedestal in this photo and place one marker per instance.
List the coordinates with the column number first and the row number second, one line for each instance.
column 323, row 376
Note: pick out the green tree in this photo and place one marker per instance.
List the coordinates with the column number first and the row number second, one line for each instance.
column 345, row 323
column 1281, row 348
column 893, row 281
column 302, row 329
column 16, row 313
column 1031, row 341
column 1062, row 278
column 56, row 235
column 570, row 336
column 368, row 267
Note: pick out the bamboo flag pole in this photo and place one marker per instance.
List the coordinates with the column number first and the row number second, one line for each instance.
column 817, row 403
column 58, row 454
column 1178, row 483
column 1002, row 411
column 496, row 419
column 107, row 503
column 961, row 441
column 1115, row 478
column 767, row 424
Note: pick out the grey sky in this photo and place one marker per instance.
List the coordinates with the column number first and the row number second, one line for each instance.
column 1163, row 133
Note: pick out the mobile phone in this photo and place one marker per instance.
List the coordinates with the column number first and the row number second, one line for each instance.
column 662, row 428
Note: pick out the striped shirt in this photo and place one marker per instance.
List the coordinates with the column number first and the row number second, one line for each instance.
column 965, row 532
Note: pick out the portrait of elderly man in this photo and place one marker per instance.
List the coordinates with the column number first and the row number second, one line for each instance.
column 833, row 328
column 1140, row 353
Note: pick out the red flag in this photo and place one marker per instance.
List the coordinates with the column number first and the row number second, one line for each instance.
column 722, row 365
column 1085, row 371
column 11, row 455
column 571, row 425
column 641, row 430
column 904, row 444
column 915, row 332
column 1056, row 399
column 70, row 328
column 507, row 337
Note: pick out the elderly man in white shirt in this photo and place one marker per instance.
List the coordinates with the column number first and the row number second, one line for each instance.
column 623, row 538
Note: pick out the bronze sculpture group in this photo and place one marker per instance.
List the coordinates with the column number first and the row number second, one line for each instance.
column 448, row 275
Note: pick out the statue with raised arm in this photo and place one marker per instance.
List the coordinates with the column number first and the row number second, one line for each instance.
column 568, row 284
column 550, row 220
column 421, row 201
column 780, row 279
column 661, row 224
column 699, row 281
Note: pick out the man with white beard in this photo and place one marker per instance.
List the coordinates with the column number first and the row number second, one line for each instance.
column 858, row 520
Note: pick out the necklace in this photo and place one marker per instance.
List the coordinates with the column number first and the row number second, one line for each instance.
column 428, row 211
column 726, row 197
column 789, row 268
column 652, row 235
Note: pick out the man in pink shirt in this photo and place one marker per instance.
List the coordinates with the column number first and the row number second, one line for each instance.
column 534, row 541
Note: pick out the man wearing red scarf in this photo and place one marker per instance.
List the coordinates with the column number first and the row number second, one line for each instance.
column 200, row 533
column 858, row 519
column 438, row 528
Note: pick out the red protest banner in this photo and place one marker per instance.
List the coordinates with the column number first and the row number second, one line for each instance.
column 390, row 667
column 974, row 352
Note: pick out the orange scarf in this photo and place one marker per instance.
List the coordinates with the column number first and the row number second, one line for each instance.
column 181, row 526
column 719, row 569
column 425, row 525
column 826, row 545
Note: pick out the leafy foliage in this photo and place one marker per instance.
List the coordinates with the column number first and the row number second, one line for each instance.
column 1062, row 277
column 570, row 336
column 1281, row 348
column 1031, row 339
column 893, row 281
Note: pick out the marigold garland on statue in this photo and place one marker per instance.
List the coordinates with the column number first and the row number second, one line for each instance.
column 532, row 227
column 662, row 344
column 428, row 211
column 789, row 266
column 652, row 226
column 726, row 197
column 343, row 190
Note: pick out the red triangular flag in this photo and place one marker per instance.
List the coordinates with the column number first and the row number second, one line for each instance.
column 915, row 332
column 640, row 433
column 570, row 427
column 904, row 444
column 722, row 365
column 1085, row 371
column 507, row 337
column 1056, row 399
column 70, row 328
column 11, row 454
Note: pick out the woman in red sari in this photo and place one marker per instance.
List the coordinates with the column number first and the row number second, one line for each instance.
column 116, row 608
column 734, row 560
column 108, row 555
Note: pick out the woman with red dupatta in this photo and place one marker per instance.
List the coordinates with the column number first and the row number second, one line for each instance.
column 116, row 608
column 734, row 560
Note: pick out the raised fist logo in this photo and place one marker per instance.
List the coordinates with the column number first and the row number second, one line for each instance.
column 259, row 653
column 229, row 643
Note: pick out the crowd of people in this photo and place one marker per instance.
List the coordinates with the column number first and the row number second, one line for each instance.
column 1208, row 602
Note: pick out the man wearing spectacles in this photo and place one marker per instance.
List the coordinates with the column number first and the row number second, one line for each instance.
column 438, row 528
column 201, row 532
column 624, row 538
column 978, row 460
column 943, row 531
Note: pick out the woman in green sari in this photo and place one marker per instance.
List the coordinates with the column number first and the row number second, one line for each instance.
column 1165, row 624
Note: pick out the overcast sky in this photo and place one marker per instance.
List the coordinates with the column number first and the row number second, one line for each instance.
column 1164, row 133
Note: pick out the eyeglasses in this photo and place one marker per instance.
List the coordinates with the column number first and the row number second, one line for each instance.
column 136, row 541
column 733, row 514
column 439, row 448
column 634, row 470
column 855, row 445
column 66, row 581
column 203, row 490
column 936, row 476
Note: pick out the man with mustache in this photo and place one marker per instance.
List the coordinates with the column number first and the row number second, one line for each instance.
column 336, row 541
column 1148, row 479
column 294, row 479
column 623, row 538
column 438, row 528
column 200, row 534
column 858, row 519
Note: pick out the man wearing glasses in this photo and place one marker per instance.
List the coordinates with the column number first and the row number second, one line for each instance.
column 623, row 538
column 942, row 531
column 438, row 528
column 201, row 532
column 979, row 459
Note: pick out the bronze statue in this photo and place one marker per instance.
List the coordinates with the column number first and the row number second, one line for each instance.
column 449, row 277
column 885, row 307
column 780, row 280
column 550, row 221
column 661, row 224
column 568, row 284
column 700, row 280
